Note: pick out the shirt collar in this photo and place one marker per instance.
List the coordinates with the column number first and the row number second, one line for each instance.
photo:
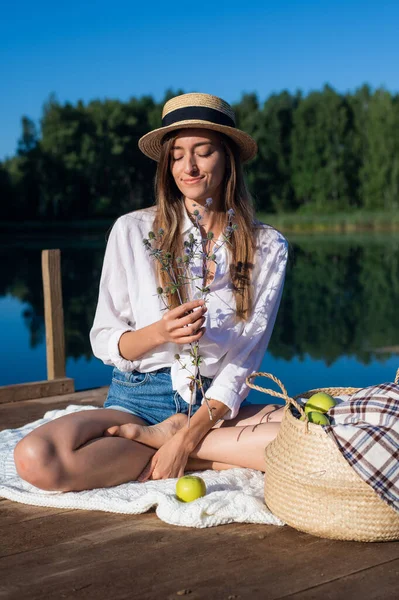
column 188, row 225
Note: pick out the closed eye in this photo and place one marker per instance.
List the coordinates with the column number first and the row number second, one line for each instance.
column 200, row 155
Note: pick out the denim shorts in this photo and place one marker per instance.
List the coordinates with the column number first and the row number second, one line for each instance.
column 149, row 396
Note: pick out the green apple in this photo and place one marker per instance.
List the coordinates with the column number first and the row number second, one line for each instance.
column 319, row 418
column 190, row 487
column 321, row 402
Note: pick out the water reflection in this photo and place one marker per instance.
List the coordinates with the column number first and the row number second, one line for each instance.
column 340, row 298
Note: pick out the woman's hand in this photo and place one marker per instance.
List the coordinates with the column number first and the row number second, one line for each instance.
column 168, row 462
column 183, row 324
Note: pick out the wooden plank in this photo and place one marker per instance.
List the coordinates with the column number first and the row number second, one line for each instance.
column 53, row 314
column 38, row 389
column 373, row 583
column 55, row 553
column 54, row 529
column 13, row 513
column 141, row 557
column 13, row 415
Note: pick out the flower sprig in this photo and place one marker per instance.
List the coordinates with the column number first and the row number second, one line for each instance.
column 180, row 276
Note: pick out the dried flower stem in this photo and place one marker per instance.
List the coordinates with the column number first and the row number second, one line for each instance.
column 182, row 277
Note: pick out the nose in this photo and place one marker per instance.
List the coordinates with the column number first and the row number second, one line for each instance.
column 190, row 165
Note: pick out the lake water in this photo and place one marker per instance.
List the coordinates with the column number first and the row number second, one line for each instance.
column 338, row 323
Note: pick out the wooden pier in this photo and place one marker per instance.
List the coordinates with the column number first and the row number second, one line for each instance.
column 51, row 553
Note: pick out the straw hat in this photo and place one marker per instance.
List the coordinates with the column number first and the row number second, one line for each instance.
column 201, row 111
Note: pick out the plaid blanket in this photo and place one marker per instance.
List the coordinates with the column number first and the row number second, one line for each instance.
column 366, row 430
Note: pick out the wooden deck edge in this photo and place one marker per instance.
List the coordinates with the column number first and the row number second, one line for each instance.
column 37, row 389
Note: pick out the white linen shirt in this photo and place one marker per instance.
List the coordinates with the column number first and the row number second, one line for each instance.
column 230, row 350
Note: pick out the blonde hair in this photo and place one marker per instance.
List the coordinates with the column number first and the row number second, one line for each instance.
column 235, row 195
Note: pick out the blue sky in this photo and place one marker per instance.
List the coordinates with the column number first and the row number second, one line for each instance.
column 102, row 49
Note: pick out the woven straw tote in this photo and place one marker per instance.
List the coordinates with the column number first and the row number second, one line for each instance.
column 310, row 485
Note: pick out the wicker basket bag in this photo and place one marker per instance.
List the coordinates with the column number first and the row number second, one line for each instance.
column 310, row 485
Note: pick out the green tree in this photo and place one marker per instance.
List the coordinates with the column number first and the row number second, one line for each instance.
column 322, row 152
column 359, row 103
column 272, row 184
column 379, row 173
column 6, row 193
column 25, row 173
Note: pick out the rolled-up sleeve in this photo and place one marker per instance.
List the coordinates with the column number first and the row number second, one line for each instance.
column 113, row 314
column 246, row 355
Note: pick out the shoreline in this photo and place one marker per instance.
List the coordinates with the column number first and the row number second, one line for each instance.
column 361, row 222
column 356, row 222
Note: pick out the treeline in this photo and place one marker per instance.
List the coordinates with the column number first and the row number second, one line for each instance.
column 323, row 153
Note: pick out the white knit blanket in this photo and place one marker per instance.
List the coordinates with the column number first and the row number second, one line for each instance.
column 234, row 495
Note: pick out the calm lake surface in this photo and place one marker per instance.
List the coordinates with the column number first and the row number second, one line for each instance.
column 338, row 323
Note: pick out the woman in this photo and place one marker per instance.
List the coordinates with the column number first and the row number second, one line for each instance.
column 141, row 432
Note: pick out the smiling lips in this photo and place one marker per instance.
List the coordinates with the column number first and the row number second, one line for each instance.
column 193, row 181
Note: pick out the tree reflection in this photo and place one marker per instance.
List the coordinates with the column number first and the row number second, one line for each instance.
column 340, row 297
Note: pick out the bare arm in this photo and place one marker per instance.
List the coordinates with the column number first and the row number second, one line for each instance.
column 181, row 325
column 201, row 424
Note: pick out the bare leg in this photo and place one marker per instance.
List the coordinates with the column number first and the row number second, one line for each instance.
column 156, row 435
column 71, row 454
column 240, row 446
column 238, row 442
column 254, row 415
column 196, row 464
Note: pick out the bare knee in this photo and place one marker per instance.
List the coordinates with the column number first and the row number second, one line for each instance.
column 37, row 462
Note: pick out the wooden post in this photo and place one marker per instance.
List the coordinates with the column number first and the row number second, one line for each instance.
column 53, row 314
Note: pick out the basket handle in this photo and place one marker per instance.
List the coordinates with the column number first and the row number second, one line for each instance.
column 283, row 395
column 397, row 376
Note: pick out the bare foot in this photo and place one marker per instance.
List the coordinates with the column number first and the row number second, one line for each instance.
column 152, row 435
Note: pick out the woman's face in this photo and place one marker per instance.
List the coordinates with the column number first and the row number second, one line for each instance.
column 197, row 163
